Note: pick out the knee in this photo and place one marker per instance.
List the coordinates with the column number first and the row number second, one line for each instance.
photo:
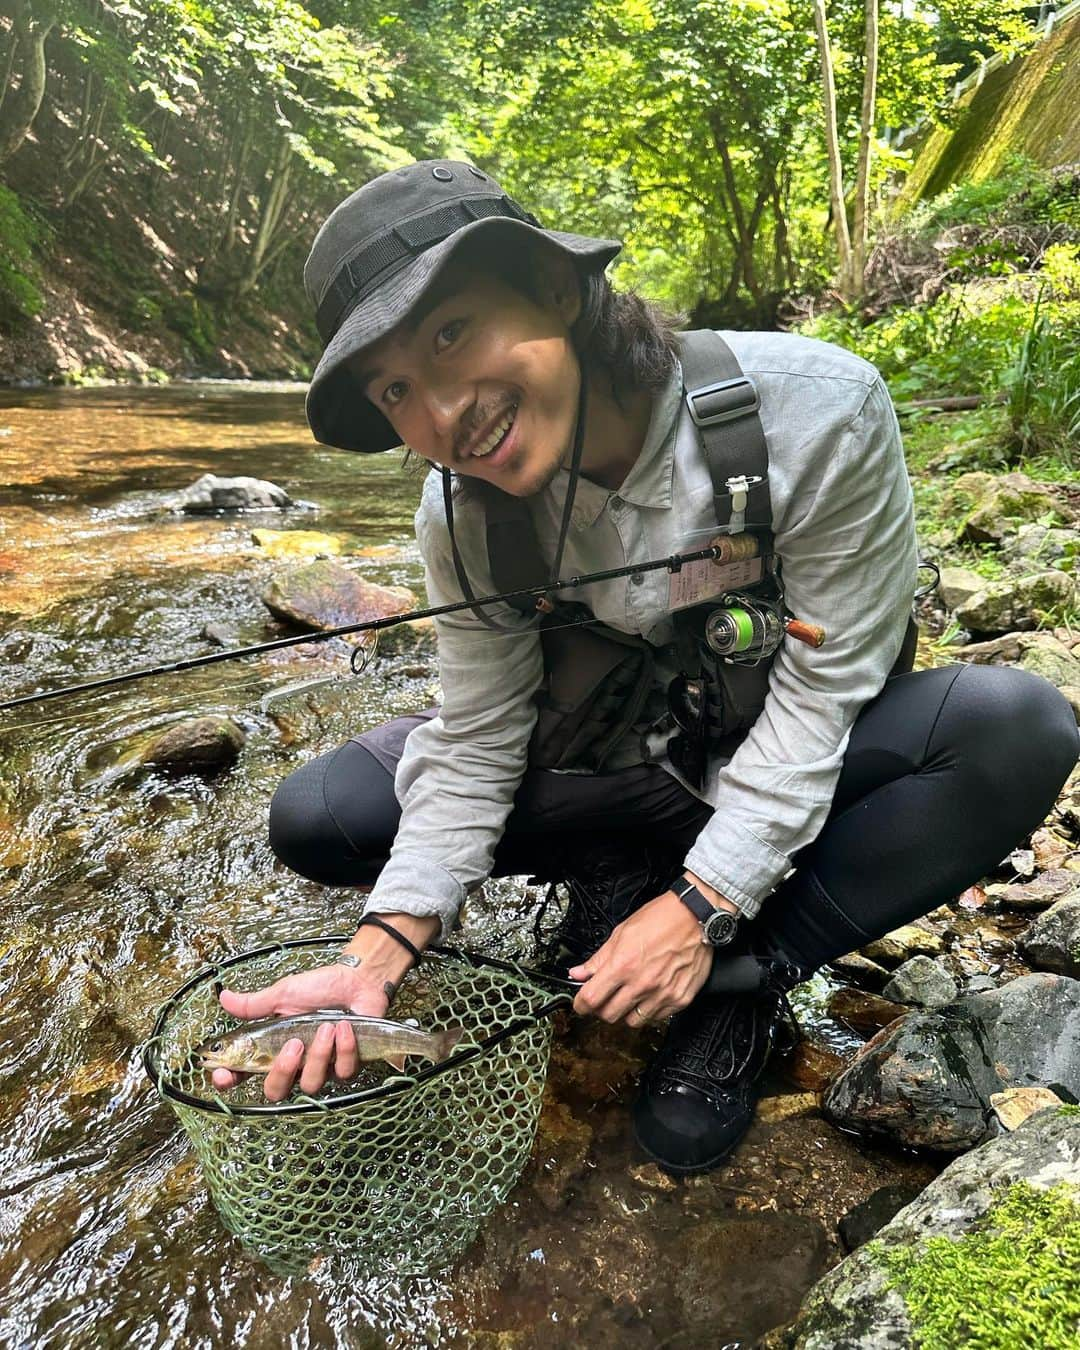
column 299, row 824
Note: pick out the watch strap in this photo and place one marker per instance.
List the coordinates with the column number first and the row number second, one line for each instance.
column 692, row 898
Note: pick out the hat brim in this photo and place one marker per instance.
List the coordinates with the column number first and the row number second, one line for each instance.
column 338, row 411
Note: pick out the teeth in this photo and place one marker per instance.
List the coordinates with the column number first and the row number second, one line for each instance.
column 497, row 433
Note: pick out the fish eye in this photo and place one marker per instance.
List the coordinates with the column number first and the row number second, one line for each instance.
column 216, row 1047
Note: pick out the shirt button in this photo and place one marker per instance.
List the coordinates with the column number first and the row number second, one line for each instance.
column 616, row 503
column 637, row 579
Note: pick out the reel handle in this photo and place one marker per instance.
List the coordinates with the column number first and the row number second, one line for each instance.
column 810, row 633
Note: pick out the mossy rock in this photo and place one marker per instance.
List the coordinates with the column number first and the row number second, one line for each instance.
column 1003, row 505
column 987, row 1255
column 1020, row 603
column 324, row 594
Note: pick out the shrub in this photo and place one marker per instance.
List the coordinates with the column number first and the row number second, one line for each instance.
column 20, row 233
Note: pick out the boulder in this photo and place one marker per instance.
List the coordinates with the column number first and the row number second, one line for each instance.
column 958, row 585
column 927, row 1080
column 210, row 493
column 1003, row 504
column 1018, row 602
column 324, row 594
column 923, row 982
column 988, row 1254
column 196, row 744
column 1053, row 940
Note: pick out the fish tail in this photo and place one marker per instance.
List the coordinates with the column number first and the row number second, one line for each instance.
column 447, row 1040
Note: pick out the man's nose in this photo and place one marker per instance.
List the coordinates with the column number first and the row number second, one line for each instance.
column 447, row 405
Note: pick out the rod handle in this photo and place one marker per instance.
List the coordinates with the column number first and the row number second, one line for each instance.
column 810, row 633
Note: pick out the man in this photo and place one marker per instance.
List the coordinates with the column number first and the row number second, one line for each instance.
column 701, row 844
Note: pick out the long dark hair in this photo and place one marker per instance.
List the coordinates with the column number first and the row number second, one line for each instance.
column 630, row 338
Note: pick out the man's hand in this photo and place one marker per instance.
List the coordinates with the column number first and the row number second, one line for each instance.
column 366, row 990
column 652, row 965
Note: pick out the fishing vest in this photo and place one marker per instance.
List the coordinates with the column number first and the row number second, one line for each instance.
column 596, row 678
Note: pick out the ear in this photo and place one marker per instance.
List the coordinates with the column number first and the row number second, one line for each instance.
column 558, row 284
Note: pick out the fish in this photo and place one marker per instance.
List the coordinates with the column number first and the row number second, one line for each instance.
column 251, row 1048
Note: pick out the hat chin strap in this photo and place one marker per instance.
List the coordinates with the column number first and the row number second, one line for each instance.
column 564, row 526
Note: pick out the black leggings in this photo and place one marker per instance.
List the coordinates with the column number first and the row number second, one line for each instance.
column 945, row 772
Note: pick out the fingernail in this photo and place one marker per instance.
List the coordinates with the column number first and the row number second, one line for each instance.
column 295, row 1046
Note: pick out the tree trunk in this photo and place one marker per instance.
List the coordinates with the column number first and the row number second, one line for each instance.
column 29, row 36
column 269, row 218
column 866, row 143
column 9, row 66
column 744, row 233
column 832, row 145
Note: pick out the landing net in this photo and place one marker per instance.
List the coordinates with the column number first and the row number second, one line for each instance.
column 396, row 1169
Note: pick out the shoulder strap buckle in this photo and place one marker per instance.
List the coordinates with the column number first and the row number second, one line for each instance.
column 723, row 402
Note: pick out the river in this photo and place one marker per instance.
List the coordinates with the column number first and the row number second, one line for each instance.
column 118, row 883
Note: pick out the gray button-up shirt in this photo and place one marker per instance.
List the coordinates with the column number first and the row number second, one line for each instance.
column 844, row 532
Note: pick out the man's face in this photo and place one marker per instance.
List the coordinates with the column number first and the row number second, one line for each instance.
column 486, row 383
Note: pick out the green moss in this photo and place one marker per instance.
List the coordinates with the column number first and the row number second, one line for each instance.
column 1011, row 1283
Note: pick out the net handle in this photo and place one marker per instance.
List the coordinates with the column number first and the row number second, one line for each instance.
column 391, row 1088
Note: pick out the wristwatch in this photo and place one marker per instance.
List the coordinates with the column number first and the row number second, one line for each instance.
column 718, row 926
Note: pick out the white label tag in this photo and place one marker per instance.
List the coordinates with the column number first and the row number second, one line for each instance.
column 707, row 580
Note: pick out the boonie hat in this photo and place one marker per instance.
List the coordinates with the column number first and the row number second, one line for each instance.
column 375, row 256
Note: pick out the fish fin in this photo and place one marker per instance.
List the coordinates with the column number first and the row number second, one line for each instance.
column 396, row 1062
column 448, row 1039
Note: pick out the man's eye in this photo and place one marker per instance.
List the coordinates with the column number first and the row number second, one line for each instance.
column 388, row 392
column 449, row 331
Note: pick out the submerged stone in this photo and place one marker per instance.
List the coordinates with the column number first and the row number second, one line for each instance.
column 863, row 1011
column 296, row 543
column 865, row 1219
column 324, row 594
column 927, row 1080
column 198, row 743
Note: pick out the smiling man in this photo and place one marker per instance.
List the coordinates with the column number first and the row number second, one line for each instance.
column 729, row 807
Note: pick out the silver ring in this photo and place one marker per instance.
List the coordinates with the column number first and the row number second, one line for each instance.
column 640, row 1013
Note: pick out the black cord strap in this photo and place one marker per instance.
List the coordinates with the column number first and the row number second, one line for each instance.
column 387, row 928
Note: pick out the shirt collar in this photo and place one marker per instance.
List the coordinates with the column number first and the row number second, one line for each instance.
column 649, row 482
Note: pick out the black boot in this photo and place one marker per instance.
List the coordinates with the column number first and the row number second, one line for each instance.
column 698, row 1096
column 606, row 881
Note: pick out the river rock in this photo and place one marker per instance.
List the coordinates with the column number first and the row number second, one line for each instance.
column 860, row 1304
column 861, row 971
column 1018, row 602
column 297, row 543
column 863, row 1011
column 923, row 982
column 210, row 493
column 1053, row 940
column 906, row 941
column 324, row 594
column 1038, row 893
column 927, row 1080
column 1013, row 1106
column 198, row 743
column 1003, row 504
column 869, row 1216
column 958, row 585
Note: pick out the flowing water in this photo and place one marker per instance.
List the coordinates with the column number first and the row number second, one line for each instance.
column 118, row 882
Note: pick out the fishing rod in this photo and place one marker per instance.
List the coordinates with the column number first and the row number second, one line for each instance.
column 720, row 551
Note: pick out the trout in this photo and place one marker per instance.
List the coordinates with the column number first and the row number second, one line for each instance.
column 251, row 1048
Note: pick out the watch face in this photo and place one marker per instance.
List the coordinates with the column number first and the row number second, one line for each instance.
column 720, row 928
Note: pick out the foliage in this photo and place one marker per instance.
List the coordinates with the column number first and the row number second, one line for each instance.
column 20, row 232
column 1042, row 385
column 1012, row 1281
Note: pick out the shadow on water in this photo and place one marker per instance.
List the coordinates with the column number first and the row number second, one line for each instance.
column 117, row 883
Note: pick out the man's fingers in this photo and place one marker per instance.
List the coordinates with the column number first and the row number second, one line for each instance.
column 260, row 1003
column 346, row 1058
column 279, row 1080
column 317, row 1061
column 223, row 1079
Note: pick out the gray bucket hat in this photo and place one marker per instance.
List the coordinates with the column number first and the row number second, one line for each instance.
column 375, row 256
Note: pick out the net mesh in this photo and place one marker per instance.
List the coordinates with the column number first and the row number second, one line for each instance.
column 401, row 1179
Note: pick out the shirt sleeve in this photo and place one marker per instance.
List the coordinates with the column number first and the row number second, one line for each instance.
column 459, row 773
column 847, row 548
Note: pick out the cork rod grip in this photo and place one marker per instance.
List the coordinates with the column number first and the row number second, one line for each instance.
column 810, row 633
